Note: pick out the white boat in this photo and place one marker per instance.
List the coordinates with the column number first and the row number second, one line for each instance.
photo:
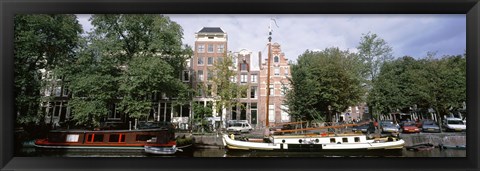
column 161, row 150
column 315, row 143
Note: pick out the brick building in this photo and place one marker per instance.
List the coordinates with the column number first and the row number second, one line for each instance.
column 279, row 84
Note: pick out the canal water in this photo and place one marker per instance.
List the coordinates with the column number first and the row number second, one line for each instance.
column 33, row 152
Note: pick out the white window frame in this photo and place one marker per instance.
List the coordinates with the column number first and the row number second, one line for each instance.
column 271, row 90
column 200, row 61
column 201, row 48
column 271, row 113
column 208, row 48
column 255, row 92
column 243, row 78
column 220, row 48
column 277, row 71
column 208, row 60
column 253, row 78
column 285, row 116
column 200, row 75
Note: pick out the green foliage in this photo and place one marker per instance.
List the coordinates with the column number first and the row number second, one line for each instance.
column 225, row 91
column 428, row 83
column 373, row 51
column 40, row 42
column 324, row 82
column 129, row 58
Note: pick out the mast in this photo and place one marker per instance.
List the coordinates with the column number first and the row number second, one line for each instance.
column 267, row 129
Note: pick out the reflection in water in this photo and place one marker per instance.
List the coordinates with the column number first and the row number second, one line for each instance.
column 33, row 152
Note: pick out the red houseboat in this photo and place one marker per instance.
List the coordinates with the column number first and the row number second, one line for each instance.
column 162, row 139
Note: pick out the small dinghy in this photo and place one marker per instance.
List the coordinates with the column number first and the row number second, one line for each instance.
column 458, row 147
column 161, row 150
column 421, row 147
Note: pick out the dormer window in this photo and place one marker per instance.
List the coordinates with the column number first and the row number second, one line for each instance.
column 276, row 59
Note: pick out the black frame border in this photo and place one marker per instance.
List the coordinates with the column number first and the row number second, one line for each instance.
column 8, row 8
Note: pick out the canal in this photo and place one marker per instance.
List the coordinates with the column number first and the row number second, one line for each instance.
column 33, row 152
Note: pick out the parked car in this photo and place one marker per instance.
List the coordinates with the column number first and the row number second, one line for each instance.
column 454, row 124
column 429, row 126
column 232, row 122
column 240, row 127
column 361, row 128
column 389, row 127
column 410, row 127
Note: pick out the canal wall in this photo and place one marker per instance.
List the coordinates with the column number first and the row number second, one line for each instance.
column 211, row 140
column 435, row 139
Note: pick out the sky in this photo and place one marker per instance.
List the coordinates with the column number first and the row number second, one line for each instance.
column 413, row 35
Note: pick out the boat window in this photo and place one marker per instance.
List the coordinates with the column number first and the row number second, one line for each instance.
column 98, row 138
column 72, row 138
column 143, row 137
column 117, row 138
column 344, row 140
column 357, row 139
column 89, row 137
column 332, row 140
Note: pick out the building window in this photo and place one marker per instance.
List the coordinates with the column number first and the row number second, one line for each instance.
column 284, row 90
column 186, row 76
column 220, row 59
column 220, row 48
column 243, row 112
column 209, row 90
column 243, row 67
column 271, row 92
column 254, row 78
column 210, row 48
column 210, row 61
column 57, row 109
column 200, row 75
column 284, row 113
column 199, row 91
column 200, row 60
column 58, row 91
column 209, row 75
column 253, row 92
column 286, row 71
column 277, row 71
column 243, row 78
column 253, row 113
column 233, row 79
column 65, row 91
column 201, row 48
column 271, row 113
column 234, row 112
column 276, row 59
column 114, row 113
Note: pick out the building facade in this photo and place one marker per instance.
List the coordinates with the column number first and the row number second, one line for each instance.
column 210, row 46
column 279, row 85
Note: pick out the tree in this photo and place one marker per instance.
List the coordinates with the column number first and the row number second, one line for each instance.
column 324, row 82
column 225, row 92
column 134, row 56
column 374, row 52
column 427, row 83
column 45, row 42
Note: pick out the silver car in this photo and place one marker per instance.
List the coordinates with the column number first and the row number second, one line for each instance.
column 388, row 127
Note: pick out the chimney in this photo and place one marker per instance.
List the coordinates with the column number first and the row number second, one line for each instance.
column 260, row 59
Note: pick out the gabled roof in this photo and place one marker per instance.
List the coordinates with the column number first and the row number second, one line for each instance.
column 211, row 30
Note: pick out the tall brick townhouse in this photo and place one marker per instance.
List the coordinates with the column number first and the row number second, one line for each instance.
column 210, row 46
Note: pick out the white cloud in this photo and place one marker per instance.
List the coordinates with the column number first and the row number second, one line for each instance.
column 412, row 35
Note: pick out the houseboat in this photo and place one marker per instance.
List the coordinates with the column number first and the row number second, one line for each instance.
column 315, row 143
column 159, row 139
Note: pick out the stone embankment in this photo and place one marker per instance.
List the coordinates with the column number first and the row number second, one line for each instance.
column 436, row 139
